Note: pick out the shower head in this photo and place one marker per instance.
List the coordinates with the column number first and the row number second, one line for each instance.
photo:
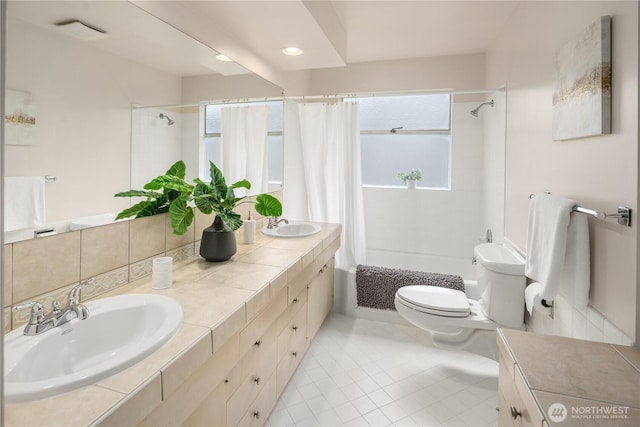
column 164, row 116
column 474, row 112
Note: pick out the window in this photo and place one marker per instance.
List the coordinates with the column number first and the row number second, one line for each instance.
column 403, row 132
column 213, row 143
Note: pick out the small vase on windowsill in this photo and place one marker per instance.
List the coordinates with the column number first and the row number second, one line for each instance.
column 410, row 178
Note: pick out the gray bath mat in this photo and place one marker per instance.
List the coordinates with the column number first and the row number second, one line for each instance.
column 376, row 286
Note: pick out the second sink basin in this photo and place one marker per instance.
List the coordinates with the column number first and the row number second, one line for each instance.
column 293, row 229
column 119, row 332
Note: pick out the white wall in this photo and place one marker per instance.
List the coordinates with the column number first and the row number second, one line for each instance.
column 82, row 99
column 155, row 145
column 216, row 87
column 494, row 120
column 601, row 172
column 438, row 224
column 459, row 72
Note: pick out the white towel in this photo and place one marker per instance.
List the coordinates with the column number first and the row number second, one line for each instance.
column 558, row 249
column 23, row 202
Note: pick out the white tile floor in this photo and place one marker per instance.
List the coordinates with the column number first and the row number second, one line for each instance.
column 364, row 373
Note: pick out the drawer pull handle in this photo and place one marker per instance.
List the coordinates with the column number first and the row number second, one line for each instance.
column 256, row 415
column 295, row 328
column 514, row 412
column 294, row 354
column 258, row 343
column 257, row 380
column 295, row 300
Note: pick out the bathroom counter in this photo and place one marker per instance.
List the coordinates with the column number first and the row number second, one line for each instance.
column 549, row 380
column 221, row 303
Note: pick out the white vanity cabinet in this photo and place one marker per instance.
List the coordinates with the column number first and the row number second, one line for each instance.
column 244, row 379
column 321, row 293
column 516, row 405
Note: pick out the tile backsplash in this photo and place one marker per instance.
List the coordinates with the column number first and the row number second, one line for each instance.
column 101, row 258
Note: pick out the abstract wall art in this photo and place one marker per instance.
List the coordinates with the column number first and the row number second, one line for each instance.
column 20, row 118
column 582, row 84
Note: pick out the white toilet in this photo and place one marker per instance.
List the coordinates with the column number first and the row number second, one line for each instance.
column 467, row 321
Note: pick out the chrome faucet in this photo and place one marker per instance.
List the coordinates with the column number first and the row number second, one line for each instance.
column 274, row 222
column 489, row 236
column 39, row 322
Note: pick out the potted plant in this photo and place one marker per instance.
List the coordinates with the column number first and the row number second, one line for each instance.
column 171, row 193
column 411, row 178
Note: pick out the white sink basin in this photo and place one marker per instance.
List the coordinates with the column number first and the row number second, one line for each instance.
column 293, row 229
column 119, row 332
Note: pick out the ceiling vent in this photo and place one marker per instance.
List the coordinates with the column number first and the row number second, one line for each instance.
column 81, row 31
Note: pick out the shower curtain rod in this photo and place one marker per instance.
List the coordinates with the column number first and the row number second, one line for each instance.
column 353, row 95
column 391, row 93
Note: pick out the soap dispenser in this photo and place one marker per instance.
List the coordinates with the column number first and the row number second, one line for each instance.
column 249, row 226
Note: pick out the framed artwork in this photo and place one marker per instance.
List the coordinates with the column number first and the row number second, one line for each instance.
column 582, row 84
column 20, row 118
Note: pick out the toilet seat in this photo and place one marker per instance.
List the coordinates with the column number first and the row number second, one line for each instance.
column 435, row 300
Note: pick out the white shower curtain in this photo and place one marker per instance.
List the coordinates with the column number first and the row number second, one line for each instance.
column 244, row 145
column 328, row 148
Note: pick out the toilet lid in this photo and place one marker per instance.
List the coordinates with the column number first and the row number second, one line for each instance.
column 436, row 300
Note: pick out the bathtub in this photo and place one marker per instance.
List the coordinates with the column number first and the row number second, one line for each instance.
column 345, row 301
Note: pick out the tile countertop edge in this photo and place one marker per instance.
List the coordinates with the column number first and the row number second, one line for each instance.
column 519, row 345
column 110, row 409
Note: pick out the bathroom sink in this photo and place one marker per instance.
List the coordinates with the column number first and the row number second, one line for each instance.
column 293, row 229
column 119, row 332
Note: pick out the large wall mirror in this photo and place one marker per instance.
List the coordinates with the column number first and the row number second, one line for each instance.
column 79, row 76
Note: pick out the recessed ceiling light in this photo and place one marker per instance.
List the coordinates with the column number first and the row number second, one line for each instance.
column 224, row 58
column 292, row 51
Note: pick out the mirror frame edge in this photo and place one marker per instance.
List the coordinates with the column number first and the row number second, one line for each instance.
column 3, row 28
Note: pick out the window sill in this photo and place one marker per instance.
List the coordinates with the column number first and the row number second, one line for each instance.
column 404, row 187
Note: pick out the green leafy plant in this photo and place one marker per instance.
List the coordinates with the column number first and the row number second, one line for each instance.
column 159, row 193
column 177, row 197
column 413, row 175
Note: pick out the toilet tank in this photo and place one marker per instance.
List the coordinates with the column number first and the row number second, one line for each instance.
column 502, row 281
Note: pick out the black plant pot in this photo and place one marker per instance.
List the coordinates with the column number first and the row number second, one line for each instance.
column 218, row 242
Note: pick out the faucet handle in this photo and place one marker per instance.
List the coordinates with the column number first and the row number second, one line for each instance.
column 24, row 306
column 37, row 311
column 75, row 294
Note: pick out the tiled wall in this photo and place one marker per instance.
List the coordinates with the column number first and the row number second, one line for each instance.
column 101, row 258
column 588, row 324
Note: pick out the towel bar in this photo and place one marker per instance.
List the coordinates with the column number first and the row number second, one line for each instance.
column 623, row 215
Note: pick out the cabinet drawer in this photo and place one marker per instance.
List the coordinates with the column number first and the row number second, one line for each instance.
column 259, row 352
column 296, row 302
column 261, row 407
column 516, row 405
column 504, row 416
column 256, row 372
column 295, row 330
column 531, row 412
column 258, row 326
column 505, row 354
column 290, row 361
column 213, row 410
